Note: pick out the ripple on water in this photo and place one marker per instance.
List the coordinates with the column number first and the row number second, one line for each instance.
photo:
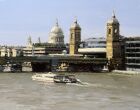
column 98, row 91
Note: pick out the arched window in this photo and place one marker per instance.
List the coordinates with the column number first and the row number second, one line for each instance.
column 72, row 36
column 109, row 31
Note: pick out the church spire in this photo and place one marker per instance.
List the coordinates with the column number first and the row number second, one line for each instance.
column 29, row 41
column 39, row 41
column 113, row 19
column 113, row 14
column 75, row 24
column 75, row 21
column 57, row 22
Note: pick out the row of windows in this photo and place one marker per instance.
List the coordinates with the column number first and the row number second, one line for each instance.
column 133, row 45
column 60, row 39
column 133, row 55
column 94, row 46
column 133, row 66
column 96, row 41
column 132, row 50
column 132, row 61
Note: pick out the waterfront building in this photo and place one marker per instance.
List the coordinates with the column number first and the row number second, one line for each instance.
column 56, row 35
column 6, row 51
column 75, row 38
column 114, row 44
column 50, row 48
column 17, row 51
column 32, row 51
column 132, row 53
column 95, row 42
column 93, row 47
column 43, row 49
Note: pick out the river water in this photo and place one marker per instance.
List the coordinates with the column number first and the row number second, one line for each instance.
column 99, row 92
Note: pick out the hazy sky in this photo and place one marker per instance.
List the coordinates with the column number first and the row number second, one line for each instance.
column 21, row 18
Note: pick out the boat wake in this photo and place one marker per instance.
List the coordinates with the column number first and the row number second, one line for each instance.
column 79, row 83
column 48, row 78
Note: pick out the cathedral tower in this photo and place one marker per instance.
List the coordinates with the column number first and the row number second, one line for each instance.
column 75, row 38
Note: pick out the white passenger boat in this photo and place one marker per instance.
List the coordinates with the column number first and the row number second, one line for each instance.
column 48, row 77
column 62, row 78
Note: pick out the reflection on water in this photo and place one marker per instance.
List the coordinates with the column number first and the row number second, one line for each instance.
column 99, row 92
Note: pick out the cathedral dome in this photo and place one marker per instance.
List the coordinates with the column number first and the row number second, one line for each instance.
column 56, row 35
column 56, row 29
column 113, row 20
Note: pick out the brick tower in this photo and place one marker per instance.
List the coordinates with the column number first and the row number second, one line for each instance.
column 113, row 47
column 75, row 38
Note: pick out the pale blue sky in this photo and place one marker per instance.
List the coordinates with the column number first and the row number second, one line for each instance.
column 21, row 18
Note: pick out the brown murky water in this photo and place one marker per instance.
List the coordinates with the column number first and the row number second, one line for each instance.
column 99, row 92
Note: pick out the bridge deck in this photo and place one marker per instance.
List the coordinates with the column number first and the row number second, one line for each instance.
column 48, row 59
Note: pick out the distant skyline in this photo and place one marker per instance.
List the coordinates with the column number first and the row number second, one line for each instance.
column 20, row 19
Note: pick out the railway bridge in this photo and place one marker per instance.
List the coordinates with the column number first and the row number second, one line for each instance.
column 58, row 63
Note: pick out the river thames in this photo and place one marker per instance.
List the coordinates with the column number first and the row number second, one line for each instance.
column 100, row 92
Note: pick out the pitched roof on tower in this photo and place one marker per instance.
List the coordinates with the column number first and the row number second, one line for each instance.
column 75, row 24
column 113, row 20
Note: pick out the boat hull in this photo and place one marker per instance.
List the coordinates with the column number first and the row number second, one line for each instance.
column 48, row 77
column 65, row 79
